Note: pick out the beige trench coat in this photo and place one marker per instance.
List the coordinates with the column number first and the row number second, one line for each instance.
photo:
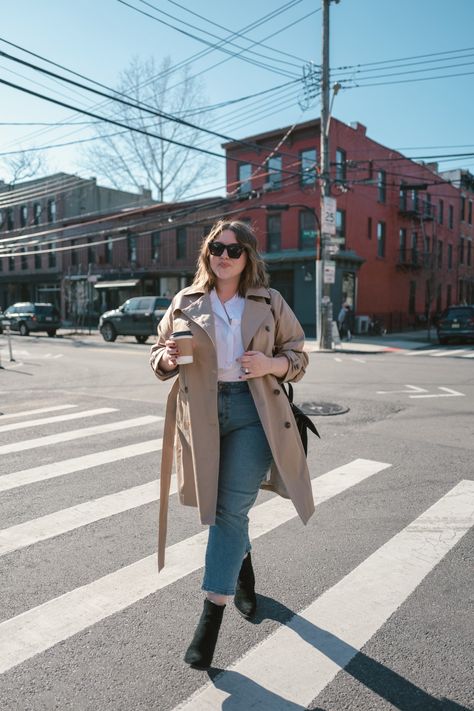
column 191, row 423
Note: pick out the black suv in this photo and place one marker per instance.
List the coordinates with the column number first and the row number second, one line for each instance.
column 27, row 317
column 456, row 322
column 137, row 317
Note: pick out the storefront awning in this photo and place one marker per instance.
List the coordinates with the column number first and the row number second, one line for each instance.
column 127, row 284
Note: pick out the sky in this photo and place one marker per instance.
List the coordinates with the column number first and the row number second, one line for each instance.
column 379, row 42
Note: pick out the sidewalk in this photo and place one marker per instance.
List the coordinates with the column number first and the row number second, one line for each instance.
column 407, row 340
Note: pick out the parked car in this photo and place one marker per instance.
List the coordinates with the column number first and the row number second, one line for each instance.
column 28, row 317
column 137, row 317
column 456, row 322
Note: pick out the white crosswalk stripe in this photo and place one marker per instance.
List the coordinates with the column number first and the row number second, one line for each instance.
column 37, row 411
column 78, row 609
column 439, row 352
column 57, row 418
column 79, row 434
column 30, row 532
column 75, row 464
column 296, row 663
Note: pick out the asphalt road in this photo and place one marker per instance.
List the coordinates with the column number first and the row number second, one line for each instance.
column 367, row 607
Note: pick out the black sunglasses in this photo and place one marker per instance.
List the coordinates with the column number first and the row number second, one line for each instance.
column 234, row 251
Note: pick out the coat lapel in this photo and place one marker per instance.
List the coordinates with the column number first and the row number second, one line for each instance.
column 199, row 310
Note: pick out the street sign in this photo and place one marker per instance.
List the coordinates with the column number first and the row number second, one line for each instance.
column 328, row 218
column 329, row 274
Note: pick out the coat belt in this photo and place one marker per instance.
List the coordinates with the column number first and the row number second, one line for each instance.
column 165, row 470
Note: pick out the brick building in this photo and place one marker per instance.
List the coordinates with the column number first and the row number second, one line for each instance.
column 32, row 214
column 403, row 246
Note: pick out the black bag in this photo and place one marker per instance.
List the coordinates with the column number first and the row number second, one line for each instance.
column 302, row 421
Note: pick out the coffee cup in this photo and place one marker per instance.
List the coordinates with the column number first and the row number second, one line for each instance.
column 184, row 342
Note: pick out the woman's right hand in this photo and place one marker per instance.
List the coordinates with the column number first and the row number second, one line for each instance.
column 168, row 359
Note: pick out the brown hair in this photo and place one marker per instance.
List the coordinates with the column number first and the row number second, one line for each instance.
column 255, row 272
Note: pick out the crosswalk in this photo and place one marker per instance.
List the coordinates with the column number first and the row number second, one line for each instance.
column 291, row 665
column 441, row 352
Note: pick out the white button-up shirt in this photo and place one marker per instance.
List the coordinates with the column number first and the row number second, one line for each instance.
column 228, row 336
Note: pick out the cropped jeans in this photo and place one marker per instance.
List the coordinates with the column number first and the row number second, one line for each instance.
column 245, row 458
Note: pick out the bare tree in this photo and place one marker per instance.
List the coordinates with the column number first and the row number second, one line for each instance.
column 130, row 159
column 26, row 164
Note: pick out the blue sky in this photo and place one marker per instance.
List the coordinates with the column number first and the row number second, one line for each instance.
column 99, row 38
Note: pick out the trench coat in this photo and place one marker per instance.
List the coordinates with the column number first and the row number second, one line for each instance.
column 191, row 429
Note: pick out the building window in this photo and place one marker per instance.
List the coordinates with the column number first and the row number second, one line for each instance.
column 274, row 172
column 381, row 186
column 244, row 178
column 469, row 212
column 463, row 208
column 469, row 251
column 307, row 230
column 91, row 251
column 414, row 247
column 448, row 295
column 51, row 210
column 369, row 228
column 341, row 166
column 24, row 215
column 461, row 250
column 402, row 201
column 450, row 256
column 403, row 245
column 308, row 166
column 181, row 243
column 427, row 206
column 155, row 246
column 10, row 219
column 109, row 246
column 38, row 261
column 412, row 298
column 23, row 259
column 414, row 199
column 11, row 264
column 73, row 253
column 441, row 212
column 450, row 217
column 341, row 223
column 132, row 248
column 52, row 255
column 380, row 239
column 37, row 210
column 273, row 233
column 440, row 254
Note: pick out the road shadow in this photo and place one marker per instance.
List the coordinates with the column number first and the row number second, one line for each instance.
column 390, row 686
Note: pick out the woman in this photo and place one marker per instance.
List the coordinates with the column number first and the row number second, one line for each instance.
column 227, row 415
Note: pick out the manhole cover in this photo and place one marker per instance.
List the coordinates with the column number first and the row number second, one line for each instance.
column 323, row 408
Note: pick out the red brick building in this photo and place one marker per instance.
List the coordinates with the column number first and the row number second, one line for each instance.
column 403, row 249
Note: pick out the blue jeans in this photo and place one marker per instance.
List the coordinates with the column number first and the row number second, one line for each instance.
column 245, row 458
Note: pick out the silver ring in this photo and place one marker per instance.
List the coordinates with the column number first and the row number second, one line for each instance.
column 247, row 371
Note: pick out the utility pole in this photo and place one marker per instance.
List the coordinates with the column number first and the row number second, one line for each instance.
column 327, row 205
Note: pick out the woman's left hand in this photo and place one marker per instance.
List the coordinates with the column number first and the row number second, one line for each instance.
column 256, row 363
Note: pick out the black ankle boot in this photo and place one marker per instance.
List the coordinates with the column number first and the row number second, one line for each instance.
column 201, row 650
column 245, row 599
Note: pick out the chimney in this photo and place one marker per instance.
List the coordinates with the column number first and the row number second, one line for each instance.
column 359, row 127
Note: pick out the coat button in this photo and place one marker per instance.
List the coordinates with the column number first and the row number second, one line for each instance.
column 267, row 328
column 276, row 391
column 186, row 389
column 287, row 425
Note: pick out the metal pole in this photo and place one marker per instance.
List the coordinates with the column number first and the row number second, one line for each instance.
column 326, row 307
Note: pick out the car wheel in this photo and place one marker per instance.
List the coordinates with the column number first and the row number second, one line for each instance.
column 141, row 339
column 52, row 332
column 23, row 328
column 108, row 332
